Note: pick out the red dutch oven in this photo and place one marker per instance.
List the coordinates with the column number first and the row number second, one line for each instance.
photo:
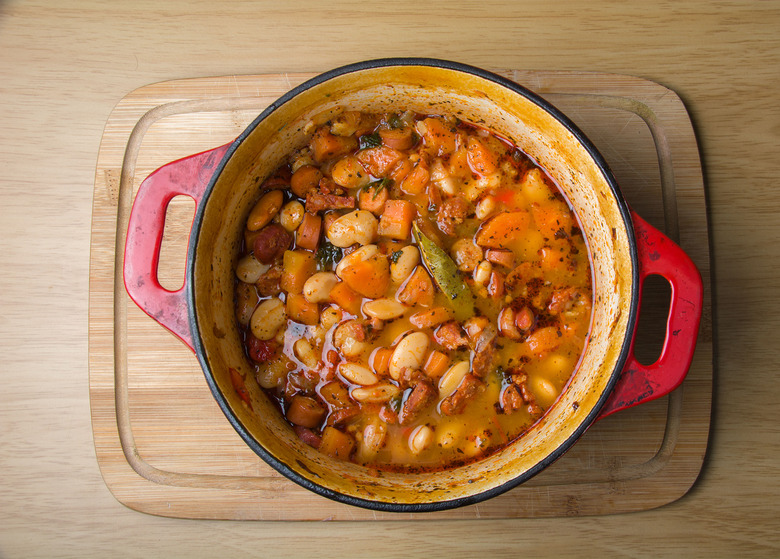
column 224, row 182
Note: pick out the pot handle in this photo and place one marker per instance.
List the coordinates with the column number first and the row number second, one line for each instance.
column 639, row 383
column 189, row 177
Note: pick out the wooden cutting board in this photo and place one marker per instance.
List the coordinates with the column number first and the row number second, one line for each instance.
column 162, row 443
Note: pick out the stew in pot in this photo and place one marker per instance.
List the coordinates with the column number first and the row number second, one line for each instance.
column 414, row 292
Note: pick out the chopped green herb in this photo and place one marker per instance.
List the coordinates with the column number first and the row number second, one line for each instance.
column 369, row 141
column 395, row 256
column 328, row 256
column 395, row 121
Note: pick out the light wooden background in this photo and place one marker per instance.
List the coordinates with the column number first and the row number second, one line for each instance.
column 64, row 65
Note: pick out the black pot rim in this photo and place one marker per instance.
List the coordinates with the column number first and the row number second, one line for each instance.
column 383, row 506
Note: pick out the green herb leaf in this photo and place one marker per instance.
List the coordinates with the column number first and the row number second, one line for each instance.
column 328, row 256
column 369, row 141
column 395, row 256
column 395, row 121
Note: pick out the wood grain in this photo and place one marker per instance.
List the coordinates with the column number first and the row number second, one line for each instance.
column 65, row 66
column 158, row 390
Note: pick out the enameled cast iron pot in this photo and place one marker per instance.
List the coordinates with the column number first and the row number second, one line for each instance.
column 624, row 250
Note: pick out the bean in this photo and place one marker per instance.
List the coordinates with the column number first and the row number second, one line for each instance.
column 317, row 287
column 384, row 309
column 268, row 319
column 305, row 353
column 377, row 394
column 374, row 436
column 359, row 226
column 420, row 439
column 249, row 269
column 449, row 434
column 485, row 207
column 291, row 215
column 482, row 272
column 265, row 210
column 409, row 353
column 357, row 374
column 330, row 317
column 452, row 378
column 405, row 263
column 349, row 173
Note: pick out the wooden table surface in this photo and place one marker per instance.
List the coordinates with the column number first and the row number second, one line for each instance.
column 64, row 66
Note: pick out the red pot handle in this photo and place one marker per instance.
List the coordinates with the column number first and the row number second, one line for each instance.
column 638, row 383
column 188, row 176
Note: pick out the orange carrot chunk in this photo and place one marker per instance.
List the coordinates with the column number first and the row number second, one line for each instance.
column 337, row 444
column 503, row 229
column 346, row 298
column 370, row 277
column 418, row 289
column 301, row 310
column 396, row 221
column 297, row 267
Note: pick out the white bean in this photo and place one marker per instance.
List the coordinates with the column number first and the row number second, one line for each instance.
column 452, row 378
column 359, row 227
column 409, row 354
column 374, row 435
column 357, row 374
column 291, row 215
column 265, row 210
column 317, row 287
column 305, row 353
column 420, row 439
column 482, row 272
column 363, row 253
column 249, row 269
column 268, row 318
column 405, row 264
column 377, row 394
column 448, row 435
column 384, row 309
column 330, row 317
column 485, row 207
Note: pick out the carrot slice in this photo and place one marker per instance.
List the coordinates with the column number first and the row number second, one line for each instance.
column 301, row 310
column 379, row 161
column 370, row 277
column 418, row 289
column 432, row 317
column 503, row 229
column 436, row 364
column 336, row 443
column 396, row 221
column 297, row 267
column 481, row 160
column 346, row 298
column 325, row 145
column 305, row 411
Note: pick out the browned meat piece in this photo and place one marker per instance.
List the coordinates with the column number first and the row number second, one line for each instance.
column 450, row 335
column 410, row 377
column 511, row 399
column 269, row 283
column 423, row 395
column 563, row 300
column 456, row 402
column 452, row 212
column 308, row 436
column 340, row 416
column 316, row 202
column 271, row 242
column 484, row 351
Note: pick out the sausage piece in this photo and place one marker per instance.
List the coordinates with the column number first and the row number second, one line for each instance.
column 456, row 402
column 422, row 395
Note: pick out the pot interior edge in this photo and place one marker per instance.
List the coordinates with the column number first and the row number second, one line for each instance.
column 527, row 125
